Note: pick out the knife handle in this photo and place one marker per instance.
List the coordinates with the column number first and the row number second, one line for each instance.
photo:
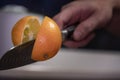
column 66, row 33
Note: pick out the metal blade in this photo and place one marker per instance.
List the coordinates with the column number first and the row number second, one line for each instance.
column 18, row 56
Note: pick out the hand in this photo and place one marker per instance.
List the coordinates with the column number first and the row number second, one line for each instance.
column 89, row 14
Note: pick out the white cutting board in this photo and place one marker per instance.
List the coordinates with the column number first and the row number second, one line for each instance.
column 71, row 64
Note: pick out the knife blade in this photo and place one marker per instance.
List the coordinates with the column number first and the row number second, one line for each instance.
column 21, row 55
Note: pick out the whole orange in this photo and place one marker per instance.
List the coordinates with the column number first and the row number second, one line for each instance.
column 47, row 35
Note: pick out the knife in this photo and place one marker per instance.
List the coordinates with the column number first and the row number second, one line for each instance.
column 21, row 55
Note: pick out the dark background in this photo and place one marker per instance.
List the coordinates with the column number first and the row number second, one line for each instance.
column 46, row 7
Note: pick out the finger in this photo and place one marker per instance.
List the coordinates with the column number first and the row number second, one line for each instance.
column 87, row 26
column 82, row 43
column 63, row 18
column 68, row 16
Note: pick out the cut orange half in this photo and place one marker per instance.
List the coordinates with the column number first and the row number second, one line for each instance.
column 25, row 30
column 48, row 40
column 47, row 35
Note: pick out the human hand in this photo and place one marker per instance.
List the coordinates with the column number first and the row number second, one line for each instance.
column 89, row 14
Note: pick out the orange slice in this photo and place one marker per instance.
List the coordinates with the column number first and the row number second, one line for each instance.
column 48, row 38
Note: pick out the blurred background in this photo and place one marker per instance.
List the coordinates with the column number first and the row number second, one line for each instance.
column 103, row 40
column 45, row 7
column 12, row 10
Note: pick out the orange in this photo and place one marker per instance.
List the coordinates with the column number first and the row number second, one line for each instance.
column 47, row 35
column 48, row 40
column 25, row 30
